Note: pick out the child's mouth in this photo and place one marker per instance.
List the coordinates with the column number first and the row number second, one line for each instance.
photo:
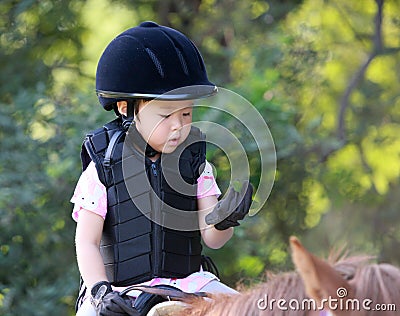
column 173, row 141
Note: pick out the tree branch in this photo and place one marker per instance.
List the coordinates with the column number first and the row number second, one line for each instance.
column 359, row 75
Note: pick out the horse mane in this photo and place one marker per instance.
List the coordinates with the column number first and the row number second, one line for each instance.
column 377, row 282
column 286, row 285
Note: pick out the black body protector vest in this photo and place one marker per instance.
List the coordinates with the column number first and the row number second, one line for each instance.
column 136, row 245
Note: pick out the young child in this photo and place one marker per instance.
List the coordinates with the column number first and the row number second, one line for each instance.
column 149, row 75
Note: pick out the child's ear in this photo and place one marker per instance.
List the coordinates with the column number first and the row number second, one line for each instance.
column 321, row 280
column 122, row 107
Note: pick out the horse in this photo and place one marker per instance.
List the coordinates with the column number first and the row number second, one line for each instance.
column 347, row 285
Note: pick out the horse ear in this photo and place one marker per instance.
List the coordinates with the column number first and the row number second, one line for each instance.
column 321, row 281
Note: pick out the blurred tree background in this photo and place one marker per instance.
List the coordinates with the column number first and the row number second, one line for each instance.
column 323, row 73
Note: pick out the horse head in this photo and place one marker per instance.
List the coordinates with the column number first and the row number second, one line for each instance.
column 351, row 286
column 348, row 286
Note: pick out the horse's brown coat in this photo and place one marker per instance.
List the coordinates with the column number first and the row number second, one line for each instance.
column 316, row 279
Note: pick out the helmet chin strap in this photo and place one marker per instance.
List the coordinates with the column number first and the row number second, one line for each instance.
column 127, row 121
column 150, row 151
column 128, row 118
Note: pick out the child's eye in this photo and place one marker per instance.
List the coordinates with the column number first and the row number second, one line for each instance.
column 186, row 114
column 165, row 116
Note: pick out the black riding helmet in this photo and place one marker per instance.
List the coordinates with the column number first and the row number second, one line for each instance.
column 151, row 61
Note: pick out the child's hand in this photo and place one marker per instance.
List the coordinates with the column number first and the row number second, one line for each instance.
column 109, row 303
column 232, row 208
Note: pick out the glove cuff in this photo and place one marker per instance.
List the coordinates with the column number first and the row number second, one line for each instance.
column 98, row 291
column 225, row 224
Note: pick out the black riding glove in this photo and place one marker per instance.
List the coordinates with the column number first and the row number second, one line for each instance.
column 232, row 208
column 109, row 303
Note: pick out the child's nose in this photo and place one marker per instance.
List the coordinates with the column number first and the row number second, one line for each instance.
column 177, row 122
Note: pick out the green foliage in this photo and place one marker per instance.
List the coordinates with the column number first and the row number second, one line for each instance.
column 302, row 64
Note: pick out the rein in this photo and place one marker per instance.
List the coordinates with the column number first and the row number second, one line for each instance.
column 169, row 292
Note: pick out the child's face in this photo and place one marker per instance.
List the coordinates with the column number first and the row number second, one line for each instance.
column 164, row 124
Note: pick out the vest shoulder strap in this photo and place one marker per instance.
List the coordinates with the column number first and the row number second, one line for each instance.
column 98, row 146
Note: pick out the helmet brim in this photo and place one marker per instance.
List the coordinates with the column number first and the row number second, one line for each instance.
column 184, row 93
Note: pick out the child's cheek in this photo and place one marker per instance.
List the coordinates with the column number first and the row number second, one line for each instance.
column 185, row 131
